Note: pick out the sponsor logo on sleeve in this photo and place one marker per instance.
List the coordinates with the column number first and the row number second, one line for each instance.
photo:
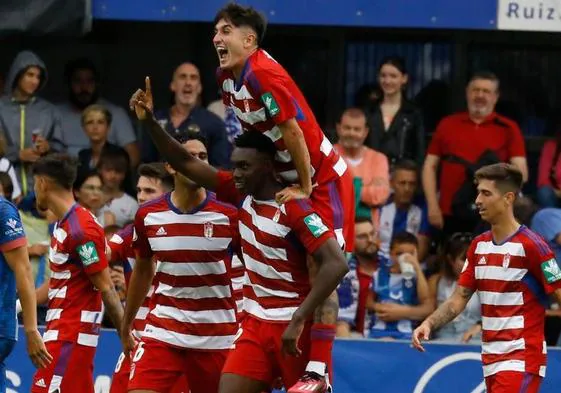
column 315, row 225
column 88, row 253
column 551, row 271
column 270, row 104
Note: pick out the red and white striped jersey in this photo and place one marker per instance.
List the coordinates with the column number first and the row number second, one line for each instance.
column 77, row 250
column 512, row 281
column 266, row 97
column 238, row 277
column 123, row 252
column 192, row 305
column 275, row 241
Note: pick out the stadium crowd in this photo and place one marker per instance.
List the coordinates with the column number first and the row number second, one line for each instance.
column 415, row 212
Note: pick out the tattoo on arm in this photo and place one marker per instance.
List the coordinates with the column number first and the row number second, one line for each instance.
column 449, row 310
column 113, row 306
column 327, row 313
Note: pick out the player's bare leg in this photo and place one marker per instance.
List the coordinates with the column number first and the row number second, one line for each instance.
column 232, row 383
column 316, row 377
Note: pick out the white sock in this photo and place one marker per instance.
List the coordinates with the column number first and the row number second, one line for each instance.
column 316, row 367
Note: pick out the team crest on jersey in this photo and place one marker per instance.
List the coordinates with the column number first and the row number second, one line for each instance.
column 506, row 261
column 209, row 229
column 551, row 271
column 276, row 217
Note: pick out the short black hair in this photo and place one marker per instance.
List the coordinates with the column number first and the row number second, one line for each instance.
column 405, row 165
column 258, row 141
column 81, row 63
column 157, row 170
column 83, row 176
column 362, row 219
column 397, row 61
column 117, row 159
column 404, row 237
column 192, row 135
column 239, row 16
column 59, row 167
column 7, row 185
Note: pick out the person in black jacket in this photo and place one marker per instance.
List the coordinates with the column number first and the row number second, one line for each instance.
column 396, row 125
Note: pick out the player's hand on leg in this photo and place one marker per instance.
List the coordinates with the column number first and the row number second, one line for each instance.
column 128, row 341
column 291, row 192
column 142, row 102
column 36, row 349
column 291, row 336
column 421, row 333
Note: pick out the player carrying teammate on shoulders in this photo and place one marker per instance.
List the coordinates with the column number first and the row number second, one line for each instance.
column 512, row 270
column 80, row 282
column 192, row 322
column 276, row 239
column 15, row 273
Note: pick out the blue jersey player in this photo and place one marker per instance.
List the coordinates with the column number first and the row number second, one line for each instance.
column 15, row 273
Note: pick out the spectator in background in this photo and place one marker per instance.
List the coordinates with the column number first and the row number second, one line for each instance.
column 113, row 168
column 6, row 186
column 467, row 325
column 88, row 191
column 369, row 167
column 464, row 142
column 549, row 171
column 83, row 84
column 399, row 294
column 355, row 286
column 396, row 125
column 187, row 115
column 29, row 124
column 405, row 211
column 96, row 121
column 367, row 97
column 7, row 167
column 233, row 126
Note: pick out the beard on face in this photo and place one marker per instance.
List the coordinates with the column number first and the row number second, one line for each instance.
column 349, row 143
column 83, row 99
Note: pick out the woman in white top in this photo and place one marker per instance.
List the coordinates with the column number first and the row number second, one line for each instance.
column 467, row 325
column 88, row 190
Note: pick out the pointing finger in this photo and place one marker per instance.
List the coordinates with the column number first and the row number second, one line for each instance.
column 148, row 86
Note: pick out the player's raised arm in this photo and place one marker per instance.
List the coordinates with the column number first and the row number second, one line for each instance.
column 182, row 161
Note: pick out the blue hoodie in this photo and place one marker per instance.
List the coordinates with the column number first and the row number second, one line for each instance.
column 18, row 120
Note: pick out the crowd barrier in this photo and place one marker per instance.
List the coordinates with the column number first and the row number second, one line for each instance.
column 361, row 366
column 533, row 15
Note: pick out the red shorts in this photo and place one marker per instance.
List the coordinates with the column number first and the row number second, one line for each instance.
column 120, row 381
column 72, row 366
column 513, row 382
column 158, row 366
column 335, row 203
column 258, row 355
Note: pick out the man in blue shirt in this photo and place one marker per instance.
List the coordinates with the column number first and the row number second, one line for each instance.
column 405, row 211
column 187, row 115
column 15, row 273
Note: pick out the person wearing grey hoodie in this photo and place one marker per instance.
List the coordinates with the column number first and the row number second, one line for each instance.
column 29, row 125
